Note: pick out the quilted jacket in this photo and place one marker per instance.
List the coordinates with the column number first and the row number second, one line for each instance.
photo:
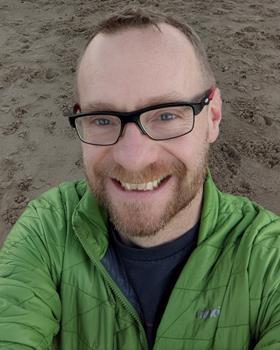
column 58, row 280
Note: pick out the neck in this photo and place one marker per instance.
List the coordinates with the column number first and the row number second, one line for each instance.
column 178, row 225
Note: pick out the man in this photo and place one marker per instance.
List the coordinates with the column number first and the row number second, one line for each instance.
column 147, row 254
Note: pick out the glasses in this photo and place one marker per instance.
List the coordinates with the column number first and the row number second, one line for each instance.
column 159, row 122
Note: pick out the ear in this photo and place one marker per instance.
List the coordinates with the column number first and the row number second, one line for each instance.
column 214, row 116
column 76, row 108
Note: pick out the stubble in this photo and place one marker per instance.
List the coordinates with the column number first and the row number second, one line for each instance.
column 136, row 218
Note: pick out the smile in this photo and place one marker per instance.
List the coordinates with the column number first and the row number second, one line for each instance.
column 146, row 186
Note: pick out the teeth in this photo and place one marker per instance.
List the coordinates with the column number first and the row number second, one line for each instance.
column 147, row 186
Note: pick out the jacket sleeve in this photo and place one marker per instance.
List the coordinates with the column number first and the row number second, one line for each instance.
column 29, row 303
column 270, row 330
column 265, row 288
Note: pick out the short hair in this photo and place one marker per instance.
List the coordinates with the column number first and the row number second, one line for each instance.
column 143, row 17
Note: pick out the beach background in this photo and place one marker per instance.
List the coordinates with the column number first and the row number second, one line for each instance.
column 40, row 41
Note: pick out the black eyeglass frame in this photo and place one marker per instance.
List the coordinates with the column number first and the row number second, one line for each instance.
column 134, row 116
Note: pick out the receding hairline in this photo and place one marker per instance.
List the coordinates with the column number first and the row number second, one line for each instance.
column 139, row 18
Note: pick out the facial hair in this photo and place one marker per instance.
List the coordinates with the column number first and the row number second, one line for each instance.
column 136, row 218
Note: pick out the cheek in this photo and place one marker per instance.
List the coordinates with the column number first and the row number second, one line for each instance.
column 85, row 153
column 187, row 150
column 90, row 156
column 94, row 155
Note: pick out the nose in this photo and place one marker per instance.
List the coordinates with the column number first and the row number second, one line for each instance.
column 134, row 151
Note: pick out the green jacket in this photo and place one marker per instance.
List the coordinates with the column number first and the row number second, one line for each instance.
column 53, row 280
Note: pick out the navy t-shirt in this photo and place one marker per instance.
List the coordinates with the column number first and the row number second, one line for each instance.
column 153, row 272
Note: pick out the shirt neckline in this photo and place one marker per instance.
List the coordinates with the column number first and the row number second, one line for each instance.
column 161, row 251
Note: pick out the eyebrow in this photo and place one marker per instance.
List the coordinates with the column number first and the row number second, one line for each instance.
column 170, row 97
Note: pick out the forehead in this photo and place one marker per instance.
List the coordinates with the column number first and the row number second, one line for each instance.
column 130, row 66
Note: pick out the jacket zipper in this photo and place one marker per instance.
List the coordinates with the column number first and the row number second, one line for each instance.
column 119, row 295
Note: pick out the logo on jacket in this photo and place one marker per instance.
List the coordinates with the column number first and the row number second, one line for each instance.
column 211, row 313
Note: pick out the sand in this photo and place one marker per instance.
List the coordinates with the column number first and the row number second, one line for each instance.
column 40, row 41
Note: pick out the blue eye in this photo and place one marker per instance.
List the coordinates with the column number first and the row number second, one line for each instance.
column 102, row 122
column 167, row 116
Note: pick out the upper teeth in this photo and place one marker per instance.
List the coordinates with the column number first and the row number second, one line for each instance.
column 147, row 186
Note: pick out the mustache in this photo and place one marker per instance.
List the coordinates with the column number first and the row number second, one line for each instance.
column 152, row 172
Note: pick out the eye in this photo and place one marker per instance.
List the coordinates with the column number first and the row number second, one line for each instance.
column 167, row 116
column 102, row 122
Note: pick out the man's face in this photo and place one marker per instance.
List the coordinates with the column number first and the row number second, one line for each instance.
column 144, row 183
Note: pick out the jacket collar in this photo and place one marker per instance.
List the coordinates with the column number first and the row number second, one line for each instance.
column 90, row 223
column 210, row 209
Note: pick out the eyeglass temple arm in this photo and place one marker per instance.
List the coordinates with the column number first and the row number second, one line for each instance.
column 198, row 107
column 76, row 109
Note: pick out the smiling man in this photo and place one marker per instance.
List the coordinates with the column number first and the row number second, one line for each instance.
column 148, row 173
column 147, row 253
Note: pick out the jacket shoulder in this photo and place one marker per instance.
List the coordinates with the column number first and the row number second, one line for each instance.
column 44, row 224
column 63, row 197
column 230, row 219
column 262, row 223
